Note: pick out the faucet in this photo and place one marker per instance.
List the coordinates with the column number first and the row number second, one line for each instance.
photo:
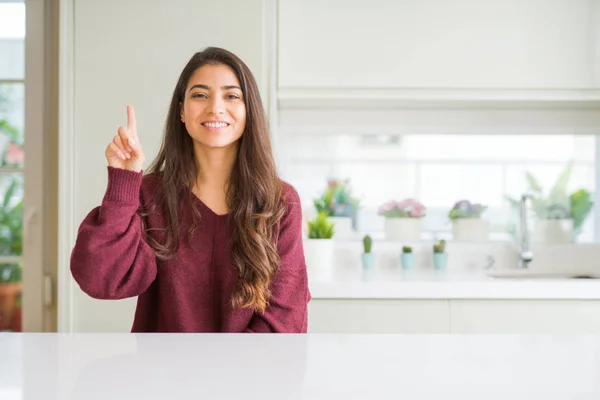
column 525, row 253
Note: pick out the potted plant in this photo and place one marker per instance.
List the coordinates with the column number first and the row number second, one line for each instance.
column 440, row 257
column 368, row 258
column 340, row 206
column 467, row 224
column 318, row 248
column 407, row 258
column 559, row 215
column 403, row 220
column 10, row 295
column 11, row 233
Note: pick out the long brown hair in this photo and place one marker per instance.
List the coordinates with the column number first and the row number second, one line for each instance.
column 254, row 194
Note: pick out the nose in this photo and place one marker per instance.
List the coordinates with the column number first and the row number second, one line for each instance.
column 215, row 106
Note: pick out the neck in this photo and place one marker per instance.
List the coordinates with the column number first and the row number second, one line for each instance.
column 215, row 166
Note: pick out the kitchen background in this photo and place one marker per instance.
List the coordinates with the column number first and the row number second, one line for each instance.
column 429, row 101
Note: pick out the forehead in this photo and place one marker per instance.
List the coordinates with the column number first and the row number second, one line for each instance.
column 214, row 76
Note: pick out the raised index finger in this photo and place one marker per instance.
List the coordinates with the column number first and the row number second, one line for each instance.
column 131, row 124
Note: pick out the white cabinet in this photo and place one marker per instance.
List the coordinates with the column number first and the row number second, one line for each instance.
column 454, row 316
column 525, row 316
column 377, row 316
column 468, row 44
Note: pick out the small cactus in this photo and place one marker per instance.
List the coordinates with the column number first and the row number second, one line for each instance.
column 406, row 249
column 367, row 244
column 439, row 247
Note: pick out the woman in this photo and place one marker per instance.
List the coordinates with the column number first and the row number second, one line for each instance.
column 210, row 239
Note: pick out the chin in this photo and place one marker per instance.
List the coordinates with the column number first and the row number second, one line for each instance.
column 218, row 144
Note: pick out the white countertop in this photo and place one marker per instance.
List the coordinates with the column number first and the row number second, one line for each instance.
column 287, row 367
column 394, row 283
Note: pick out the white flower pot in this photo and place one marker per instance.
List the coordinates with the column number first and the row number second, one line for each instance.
column 553, row 231
column 342, row 227
column 470, row 230
column 318, row 254
column 403, row 229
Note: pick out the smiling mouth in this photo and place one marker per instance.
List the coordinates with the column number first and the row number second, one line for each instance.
column 215, row 124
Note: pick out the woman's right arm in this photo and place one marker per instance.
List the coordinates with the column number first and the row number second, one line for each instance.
column 111, row 259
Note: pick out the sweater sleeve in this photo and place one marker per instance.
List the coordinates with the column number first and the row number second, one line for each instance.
column 111, row 259
column 288, row 306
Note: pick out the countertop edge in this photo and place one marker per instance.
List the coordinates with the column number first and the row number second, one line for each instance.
column 482, row 290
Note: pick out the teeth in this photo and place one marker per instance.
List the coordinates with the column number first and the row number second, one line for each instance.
column 215, row 124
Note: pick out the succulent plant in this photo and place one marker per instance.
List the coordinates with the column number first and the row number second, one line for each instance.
column 439, row 247
column 367, row 243
column 407, row 249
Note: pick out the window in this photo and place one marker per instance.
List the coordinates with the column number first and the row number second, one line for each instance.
column 12, row 120
column 439, row 170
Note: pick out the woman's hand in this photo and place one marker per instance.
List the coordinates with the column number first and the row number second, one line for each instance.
column 125, row 151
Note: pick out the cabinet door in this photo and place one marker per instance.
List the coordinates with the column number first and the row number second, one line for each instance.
column 418, row 44
column 378, row 316
column 525, row 316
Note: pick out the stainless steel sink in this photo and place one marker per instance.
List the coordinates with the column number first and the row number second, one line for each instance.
column 532, row 274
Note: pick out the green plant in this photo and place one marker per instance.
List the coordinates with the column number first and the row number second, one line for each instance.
column 337, row 200
column 558, row 204
column 10, row 273
column 367, row 244
column 407, row 249
column 320, row 228
column 581, row 206
column 11, row 222
column 11, row 233
column 439, row 247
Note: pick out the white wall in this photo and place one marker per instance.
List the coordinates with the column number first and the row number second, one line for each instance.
column 438, row 44
column 131, row 52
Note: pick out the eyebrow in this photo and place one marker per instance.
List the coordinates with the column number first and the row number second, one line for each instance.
column 205, row 87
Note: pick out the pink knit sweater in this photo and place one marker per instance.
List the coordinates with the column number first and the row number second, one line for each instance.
column 192, row 291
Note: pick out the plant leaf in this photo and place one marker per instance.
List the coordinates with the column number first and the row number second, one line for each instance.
column 558, row 194
column 534, row 185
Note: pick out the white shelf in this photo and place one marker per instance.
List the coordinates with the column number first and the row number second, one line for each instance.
column 458, row 98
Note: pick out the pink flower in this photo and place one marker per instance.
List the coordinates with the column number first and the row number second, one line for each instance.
column 14, row 154
column 408, row 208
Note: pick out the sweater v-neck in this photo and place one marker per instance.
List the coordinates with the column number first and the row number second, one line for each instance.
column 207, row 208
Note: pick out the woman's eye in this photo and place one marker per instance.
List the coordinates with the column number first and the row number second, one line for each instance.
column 233, row 96
column 200, row 95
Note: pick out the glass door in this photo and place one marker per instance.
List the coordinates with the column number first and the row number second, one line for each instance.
column 12, row 161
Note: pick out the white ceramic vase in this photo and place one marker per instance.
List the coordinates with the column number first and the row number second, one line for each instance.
column 403, row 229
column 342, row 227
column 475, row 230
column 554, row 231
column 318, row 254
